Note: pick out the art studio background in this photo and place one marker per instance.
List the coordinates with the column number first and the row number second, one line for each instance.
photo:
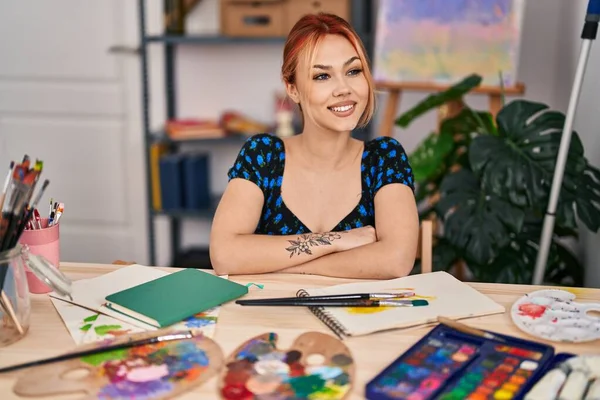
column 72, row 93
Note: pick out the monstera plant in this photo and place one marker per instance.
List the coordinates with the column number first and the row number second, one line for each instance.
column 487, row 182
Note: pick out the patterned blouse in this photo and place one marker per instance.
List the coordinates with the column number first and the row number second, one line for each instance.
column 262, row 160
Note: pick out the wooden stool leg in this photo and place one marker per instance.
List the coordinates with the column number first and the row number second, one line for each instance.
column 495, row 104
column 387, row 125
column 426, row 247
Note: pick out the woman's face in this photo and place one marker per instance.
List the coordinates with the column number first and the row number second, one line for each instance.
column 333, row 91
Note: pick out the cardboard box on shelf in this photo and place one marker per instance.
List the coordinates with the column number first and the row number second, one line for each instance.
column 295, row 9
column 253, row 18
column 272, row 18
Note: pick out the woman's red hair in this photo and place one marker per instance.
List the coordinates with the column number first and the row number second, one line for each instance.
column 305, row 37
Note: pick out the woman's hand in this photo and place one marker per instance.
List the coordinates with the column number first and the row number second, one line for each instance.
column 357, row 237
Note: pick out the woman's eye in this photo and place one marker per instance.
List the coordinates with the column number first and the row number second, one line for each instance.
column 355, row 71
column 320, row 77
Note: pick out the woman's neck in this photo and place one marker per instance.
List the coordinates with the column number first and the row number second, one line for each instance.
column 326, row 149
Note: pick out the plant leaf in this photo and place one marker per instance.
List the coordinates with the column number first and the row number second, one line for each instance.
column 463, row 127
column 435, row 100
column 427, row 161
column 515, row 262
column 469, row 122
column 564, row 269
column 427, row 189
column 478, row 223
column 444, row 255
column 586, row 198
column 519, row 163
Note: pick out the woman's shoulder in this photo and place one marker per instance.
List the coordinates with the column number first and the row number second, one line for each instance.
column 387, row 162
column 261, row 153
column 263, row 141
column 384, row 146
column 383, row 143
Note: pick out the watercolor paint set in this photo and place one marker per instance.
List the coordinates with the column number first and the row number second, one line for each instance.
column 450, row 364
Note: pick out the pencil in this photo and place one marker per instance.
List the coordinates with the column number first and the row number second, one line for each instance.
column 468, row 329
column 350, row 296
column 102, row 349
column 337, row 303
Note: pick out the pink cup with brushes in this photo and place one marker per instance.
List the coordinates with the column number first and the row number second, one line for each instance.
column 43, row 242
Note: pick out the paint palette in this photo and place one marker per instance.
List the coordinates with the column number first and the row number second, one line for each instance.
column 554, row 314
column 155, row 371
column 316, row 366
column 450, row 365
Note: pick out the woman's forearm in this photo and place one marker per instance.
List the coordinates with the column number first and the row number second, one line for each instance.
column 379, row 260
column 256, row 254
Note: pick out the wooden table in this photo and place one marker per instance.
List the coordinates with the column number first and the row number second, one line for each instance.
column 48, row 336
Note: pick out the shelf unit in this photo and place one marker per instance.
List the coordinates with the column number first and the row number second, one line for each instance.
column 362, row 21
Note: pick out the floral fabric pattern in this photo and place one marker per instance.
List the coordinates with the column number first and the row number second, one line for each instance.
column 262, row 161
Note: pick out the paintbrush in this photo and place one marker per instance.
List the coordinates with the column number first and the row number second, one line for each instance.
column 468, row 329
column 350, row 296
column 299, row 301
column 103, row 349
column 28, row 214
column 6, row 183
column 8, row 308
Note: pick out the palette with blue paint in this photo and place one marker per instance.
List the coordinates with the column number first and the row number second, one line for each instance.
column 450, row 364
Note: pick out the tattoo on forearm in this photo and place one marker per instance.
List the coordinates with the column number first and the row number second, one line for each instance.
column 306, row 241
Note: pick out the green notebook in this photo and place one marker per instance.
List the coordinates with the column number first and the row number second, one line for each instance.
column 174, row 297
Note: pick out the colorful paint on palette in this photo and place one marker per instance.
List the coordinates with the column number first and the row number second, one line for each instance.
column 554, row 314
column 259, row 370
column 148, row 372
column 449, row 365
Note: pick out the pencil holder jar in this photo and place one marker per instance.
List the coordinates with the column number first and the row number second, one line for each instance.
column 43, row 242
column 15, row 303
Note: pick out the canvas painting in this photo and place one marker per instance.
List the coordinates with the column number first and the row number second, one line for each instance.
column 443, row 41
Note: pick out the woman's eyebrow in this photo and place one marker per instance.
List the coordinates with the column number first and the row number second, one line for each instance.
column 350, row 60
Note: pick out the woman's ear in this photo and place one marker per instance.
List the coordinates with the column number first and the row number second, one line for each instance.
column 292, row 92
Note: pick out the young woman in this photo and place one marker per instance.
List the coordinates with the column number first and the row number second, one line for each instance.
column 320, row 202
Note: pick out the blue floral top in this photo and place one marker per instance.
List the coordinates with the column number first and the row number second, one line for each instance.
column 262, row 160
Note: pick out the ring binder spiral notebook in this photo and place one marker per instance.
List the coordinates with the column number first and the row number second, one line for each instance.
column 447, row 296
column 320, row 313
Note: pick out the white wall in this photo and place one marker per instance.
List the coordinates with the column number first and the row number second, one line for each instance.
column 65, row 99
column 587, row 119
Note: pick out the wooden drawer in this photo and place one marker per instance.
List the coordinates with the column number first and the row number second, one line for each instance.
column 253, row 18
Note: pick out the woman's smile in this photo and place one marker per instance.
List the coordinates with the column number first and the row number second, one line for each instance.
column 343, row 109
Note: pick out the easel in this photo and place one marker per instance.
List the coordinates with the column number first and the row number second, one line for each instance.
column 447, row 110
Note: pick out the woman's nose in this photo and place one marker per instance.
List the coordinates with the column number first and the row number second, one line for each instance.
column 342, row 88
